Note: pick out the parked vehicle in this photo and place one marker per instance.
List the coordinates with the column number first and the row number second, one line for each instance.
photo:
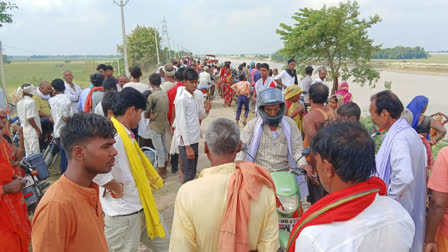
column 36, row 172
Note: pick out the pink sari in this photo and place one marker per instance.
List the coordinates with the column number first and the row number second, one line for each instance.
column 343, row 91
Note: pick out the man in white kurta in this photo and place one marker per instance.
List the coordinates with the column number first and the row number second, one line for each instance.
column 72, row 90
column 403, row 151
column 29, row 117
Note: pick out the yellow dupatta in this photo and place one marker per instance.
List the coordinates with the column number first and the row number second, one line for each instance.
column 298, row 118
column 143, row 172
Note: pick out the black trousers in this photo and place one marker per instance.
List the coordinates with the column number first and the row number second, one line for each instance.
column 189, row 165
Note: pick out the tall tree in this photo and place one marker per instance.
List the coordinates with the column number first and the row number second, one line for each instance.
column 336, row 37
column 141, row 47
column 6, row 18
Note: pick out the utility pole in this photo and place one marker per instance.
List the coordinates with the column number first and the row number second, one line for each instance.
column 157, row 46
column 123, row 33
column 165, row 34
column 3, row 76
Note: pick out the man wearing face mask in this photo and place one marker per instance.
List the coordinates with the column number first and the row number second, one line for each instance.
column 273, row 140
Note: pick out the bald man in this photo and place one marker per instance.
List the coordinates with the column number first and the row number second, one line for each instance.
column 72, row 90
column 43, row 94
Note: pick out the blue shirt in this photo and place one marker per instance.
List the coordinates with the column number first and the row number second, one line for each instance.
column 257, row 76
column 83, row 98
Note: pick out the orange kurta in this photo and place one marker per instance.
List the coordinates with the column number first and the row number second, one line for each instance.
column 69, row 218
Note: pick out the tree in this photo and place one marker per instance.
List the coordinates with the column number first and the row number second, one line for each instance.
column 6, row 18
column 6, row 60
column 400, row 52
column 141, row 47
column 336, row 37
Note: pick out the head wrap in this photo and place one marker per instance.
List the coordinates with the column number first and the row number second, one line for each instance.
column 343, row 91
column 292, row 91
column 416, row 106
column 169, row 73
column 29, row 89
column 339, row 99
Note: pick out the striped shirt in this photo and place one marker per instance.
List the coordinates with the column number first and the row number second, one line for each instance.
column 273, row 149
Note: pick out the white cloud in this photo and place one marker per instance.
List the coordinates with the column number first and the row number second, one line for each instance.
column 42, row 5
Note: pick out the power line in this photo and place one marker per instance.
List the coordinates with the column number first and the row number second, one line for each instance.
column 123, row 33
column 165, row 35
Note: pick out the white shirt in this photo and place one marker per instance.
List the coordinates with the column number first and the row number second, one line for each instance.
column 60, row 106
column 143, row 127
column 73, row 95
column 286, row 78
column 408, row 179
column 305, row 85
column 121, row 172
column 383, row 226
column 26, row 109
column 204, row 77
column 319, row 81
column 99, row 109
column 189, row 110
column 141, row 87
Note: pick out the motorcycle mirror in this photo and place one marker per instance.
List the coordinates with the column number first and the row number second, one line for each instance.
column 243, row 147
column 306, row 152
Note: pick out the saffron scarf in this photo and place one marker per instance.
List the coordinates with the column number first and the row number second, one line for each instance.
column 382, row 158
column 342, row 205
column 146, row 177
column 88, row 105
column 244, row 185
column 343, row 91
column 14, row 221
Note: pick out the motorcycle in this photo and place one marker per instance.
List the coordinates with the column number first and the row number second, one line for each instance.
column 288, row 192
column 36, row 172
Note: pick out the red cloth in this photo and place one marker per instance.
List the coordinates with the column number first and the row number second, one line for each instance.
column 227, row 93
column 88, row 105
column 244, row 185
column 428, row 147
column 171, row 96
column 15, row 226
column 342, row 205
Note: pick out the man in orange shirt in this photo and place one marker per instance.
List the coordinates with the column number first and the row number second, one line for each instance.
column 69, row 217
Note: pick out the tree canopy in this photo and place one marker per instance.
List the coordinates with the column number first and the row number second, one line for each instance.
column 6, row 18
column 335, row 37
column 401, row 52
column 141, row 47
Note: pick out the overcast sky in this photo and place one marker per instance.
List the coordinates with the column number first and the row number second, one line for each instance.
column 66, row 27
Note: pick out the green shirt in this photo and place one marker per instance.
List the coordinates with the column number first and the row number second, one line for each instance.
column 42, row 105
column 158, row 104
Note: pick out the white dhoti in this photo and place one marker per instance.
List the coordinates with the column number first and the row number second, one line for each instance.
column 31, row 143
column 174, row 148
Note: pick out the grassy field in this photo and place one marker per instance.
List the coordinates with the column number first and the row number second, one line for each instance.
column 437, row 63
column 34, row 71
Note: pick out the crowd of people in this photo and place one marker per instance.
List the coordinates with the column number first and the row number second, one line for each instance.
column 103, row 201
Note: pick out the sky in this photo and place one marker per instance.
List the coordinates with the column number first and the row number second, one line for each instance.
column 87, row 27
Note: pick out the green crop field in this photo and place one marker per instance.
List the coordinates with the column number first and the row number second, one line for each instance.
column 34, row 71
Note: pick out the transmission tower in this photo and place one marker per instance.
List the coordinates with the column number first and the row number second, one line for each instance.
column 165, row 35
